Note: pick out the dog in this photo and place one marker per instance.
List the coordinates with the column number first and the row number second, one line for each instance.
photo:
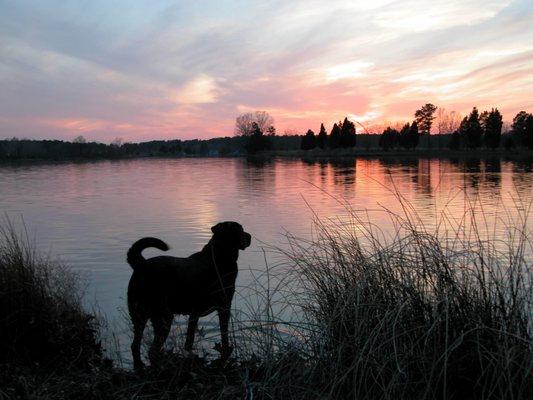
column 163, row 286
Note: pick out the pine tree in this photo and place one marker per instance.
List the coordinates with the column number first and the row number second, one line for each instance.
column 519, row 123
column 257, row 141
column 389, row 138
column 520, row 128
column 322, row 139
column 528, row 134
column 455, row 141
column 413, row 135
column 308, row 141
column 463, row 127
column 492, row 123
column 403, row 139
column 347, row 138
column 474, row 132
column 424, row 118
column 483, row 119
column 335, row 137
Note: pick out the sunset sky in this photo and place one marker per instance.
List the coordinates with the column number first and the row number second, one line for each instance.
column 144, row 70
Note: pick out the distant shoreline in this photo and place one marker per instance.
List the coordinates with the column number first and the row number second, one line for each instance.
column 327, row 154
column 419, row 153
column 286, row 146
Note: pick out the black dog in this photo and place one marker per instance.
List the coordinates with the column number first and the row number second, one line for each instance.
column 163, row 286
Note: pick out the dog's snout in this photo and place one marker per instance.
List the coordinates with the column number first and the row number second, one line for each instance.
column 246, row 239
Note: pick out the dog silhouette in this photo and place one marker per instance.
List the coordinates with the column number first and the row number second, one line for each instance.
column 163, row 286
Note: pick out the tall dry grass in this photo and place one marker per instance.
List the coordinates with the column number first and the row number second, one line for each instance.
column 42, row 322
column 420, row 313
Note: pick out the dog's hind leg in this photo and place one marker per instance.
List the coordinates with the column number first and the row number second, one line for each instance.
column 191, row 329
column 139, row 324
column 161, row 325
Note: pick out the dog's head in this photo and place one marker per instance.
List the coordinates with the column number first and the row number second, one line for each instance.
column 232, row 233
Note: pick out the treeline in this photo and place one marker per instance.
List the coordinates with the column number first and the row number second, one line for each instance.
column 258, row 131
column 25, row 149
column 476, row 130
column 255, row 132
column 485, row 129
column 342, row 135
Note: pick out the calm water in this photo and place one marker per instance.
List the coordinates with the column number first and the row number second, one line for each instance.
column 88, row 214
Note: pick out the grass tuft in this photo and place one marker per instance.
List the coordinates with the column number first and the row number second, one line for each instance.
column 42, row 323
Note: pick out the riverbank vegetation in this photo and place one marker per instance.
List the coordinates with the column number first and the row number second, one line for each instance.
column 418, row 313
column 42, row 321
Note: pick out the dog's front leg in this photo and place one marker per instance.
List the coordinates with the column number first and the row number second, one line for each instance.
column 191, row 329
column 223, row 319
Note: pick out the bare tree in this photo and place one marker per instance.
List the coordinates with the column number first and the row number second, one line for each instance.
column 447, row 121
column 506, row 127
column 291, row 132
column 79, row 139
column 263, row 120
column 271, row 131
column 244, row 122
column 454, row 121
column 442, row 116
column 117, row 142
column 380, row 127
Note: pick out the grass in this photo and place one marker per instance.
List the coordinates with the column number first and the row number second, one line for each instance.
column 420, row 314
column 42, row 323
column 354, row 312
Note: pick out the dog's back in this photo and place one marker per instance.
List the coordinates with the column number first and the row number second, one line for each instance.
column 191, row 285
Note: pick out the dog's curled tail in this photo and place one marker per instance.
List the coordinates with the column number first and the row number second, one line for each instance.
column 135, row 258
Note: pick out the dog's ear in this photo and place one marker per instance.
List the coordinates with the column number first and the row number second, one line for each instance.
column 217, row 228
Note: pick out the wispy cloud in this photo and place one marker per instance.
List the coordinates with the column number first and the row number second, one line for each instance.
column 168, row 69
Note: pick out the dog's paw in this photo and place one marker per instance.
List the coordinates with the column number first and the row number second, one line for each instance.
column 139, row 369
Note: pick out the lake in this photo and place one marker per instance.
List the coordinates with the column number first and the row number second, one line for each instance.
column 88, row 214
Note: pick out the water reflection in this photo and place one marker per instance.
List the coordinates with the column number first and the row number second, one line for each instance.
column 422, row 177
column 343, row 172
column 493, row 173
column 257, row 174
column 89, row 213
column 472, row 172
column 522, row 178
column 318, row 164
